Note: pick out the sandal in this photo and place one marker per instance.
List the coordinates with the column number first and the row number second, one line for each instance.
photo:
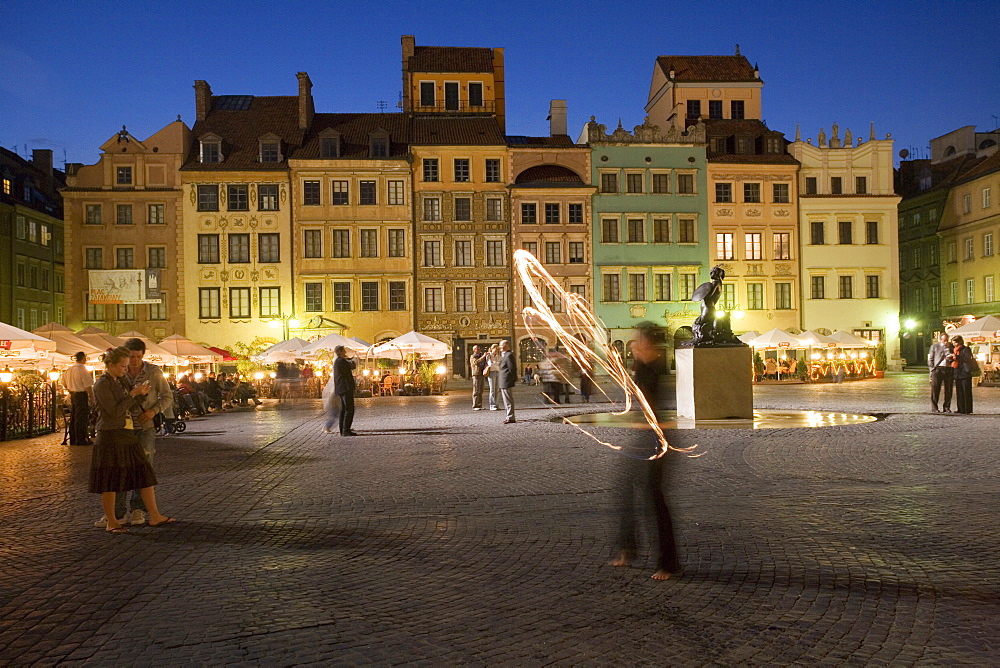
column 169, row 520
column 117, row 530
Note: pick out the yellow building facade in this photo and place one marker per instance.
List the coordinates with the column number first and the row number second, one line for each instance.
column 352, row 228
column 126, row 212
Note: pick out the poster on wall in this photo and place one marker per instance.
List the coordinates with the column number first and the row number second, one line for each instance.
column 124, row 286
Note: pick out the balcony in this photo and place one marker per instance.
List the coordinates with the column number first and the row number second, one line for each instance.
column 455, row 106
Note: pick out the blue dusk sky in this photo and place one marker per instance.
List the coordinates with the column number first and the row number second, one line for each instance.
column 72, row 73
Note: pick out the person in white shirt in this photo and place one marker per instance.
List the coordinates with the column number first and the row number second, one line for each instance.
column 79, row 381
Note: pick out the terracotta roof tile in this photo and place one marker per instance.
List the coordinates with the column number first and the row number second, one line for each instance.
column 707, row 68
column 241, row 129
column 458, row 131
column 451, row 59
column 548, row 174
column 754, row 158
column 354, row 130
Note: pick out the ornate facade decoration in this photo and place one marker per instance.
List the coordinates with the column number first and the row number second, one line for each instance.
column 647, row 133
column 783, row 270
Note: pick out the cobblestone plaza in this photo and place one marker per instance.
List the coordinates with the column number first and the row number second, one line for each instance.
column 441, row 536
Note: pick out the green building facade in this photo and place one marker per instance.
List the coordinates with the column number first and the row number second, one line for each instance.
column 650, row 227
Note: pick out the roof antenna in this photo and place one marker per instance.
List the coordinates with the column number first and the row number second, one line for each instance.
column 381, row 104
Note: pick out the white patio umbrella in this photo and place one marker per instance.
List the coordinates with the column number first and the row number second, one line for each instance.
column 848, row 340
column 987, row 327
column 331, row 341
column 777, row 338
column 747, row 337
column 283, row 351
column 413, row 343
column 67, row 343
column 98, row 337
column 155, row 353
column 20, row 347
column 361, row 342
column 816, row 340
column 187, row 349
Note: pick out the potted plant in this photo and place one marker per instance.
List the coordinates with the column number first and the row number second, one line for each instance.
column 426, row 373
column 880, row 360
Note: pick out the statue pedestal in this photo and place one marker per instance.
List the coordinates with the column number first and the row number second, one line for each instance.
column 715, row 383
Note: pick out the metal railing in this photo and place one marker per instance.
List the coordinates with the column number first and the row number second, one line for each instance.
column 26, row 412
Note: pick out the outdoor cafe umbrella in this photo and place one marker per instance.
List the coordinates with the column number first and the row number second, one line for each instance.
column 331, row 341
column 98, row 337
column 19, row 346
column 986, row 327
column 154, row 352
column 848, row 340
column 67, row 343
column 816, row 340
column 777, row 338
column 283, row 351
column 187, row 349
column 413, row 343
column 747, row 337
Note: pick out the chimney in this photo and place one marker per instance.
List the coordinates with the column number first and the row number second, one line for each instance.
column 557, row 117
column 41, row 158
column 499, row 90
column 306, row 108
column 202, row 99
column 407, row 47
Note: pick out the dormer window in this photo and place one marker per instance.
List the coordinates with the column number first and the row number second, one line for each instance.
column 329, row 144
column 378, row 144
column 211, row 149
column 270, row 148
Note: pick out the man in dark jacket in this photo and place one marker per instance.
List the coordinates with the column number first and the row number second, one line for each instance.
column 344, row 387
column 508, row 378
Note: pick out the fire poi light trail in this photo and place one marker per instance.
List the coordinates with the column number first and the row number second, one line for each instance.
column 581, row 325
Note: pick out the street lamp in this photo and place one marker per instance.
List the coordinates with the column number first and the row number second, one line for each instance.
column 285, row 323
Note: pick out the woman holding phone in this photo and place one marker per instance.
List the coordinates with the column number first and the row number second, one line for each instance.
column 118, row 463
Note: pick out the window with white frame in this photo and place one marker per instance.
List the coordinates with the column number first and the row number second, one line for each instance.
column 463, row 253
column 463, row 300
column 633, row 182
column 124, row 176
column 529, row 213
column 239, row 248
column 575, row 213
column 341, row 243
column 494, row 209
column 433, row 300
column 970, row 291
column 208, row 303
column 553, row 254
column 314, row 297
column 724, row 246
column 124, row 258
column 397, row 295
column 124, row 216
column 311, row 193
column 612, row 288
column 156, row 257
column 967, row 203
column 935, row 298
column 724, row 192
column 755, row 296
column 661, row 183
column 496, row 298
column 397, row 243
column 988, row 288
column 953, row 292
column 846, row 287
column 432, row 208
column 492, row 170
column 685, row 184
column 636, row 230
column 727, row 299
column 463, row 208
column 987, row 198
column 341, row 193
column 988, row 244
column 341, row 296
column 779, row 193
column 462, row 171
column 687, row 283
column 369, row 295
column 576, row 252
column 397, row 193
column 637, row 287
column 609, row 231
column 211, row 150
column 124, row 312
column 270, row 302
column 267, row 197
column 531, row 247
column 312, row 243
column 208, row 248
column 782, row 245
column 686, row 231
column 369, row 243
column 970, row 248
column 495, row 254
column 754, row 245
column 662, row 286
column 873, row 286
column 432, row 253
column 751, row 193
column 94, row 312
column 93, row 214
column 661, row 230
column 552, row 211
column 158, row 311
column 239, row 303
column 609, row 182
column 268, row 247
column 783, row 296
column 155, row 214
column 270, row 150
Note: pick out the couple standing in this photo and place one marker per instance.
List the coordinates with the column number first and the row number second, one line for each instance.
column 499, row 368
column 339, row 394
column 951, row 363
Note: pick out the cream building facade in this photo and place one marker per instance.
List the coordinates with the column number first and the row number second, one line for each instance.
column 126, row 212
column 849, row 232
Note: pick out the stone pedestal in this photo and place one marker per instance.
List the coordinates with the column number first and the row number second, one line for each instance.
column 715, row 383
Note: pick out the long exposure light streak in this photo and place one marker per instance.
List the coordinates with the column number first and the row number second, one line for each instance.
column 578, row 327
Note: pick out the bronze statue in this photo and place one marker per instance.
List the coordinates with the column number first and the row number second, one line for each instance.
column 711, row 329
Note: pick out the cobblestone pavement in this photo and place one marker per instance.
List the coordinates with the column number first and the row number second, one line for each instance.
column 440, row 536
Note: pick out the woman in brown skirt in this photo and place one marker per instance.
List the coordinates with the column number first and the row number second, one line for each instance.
column 118, row 463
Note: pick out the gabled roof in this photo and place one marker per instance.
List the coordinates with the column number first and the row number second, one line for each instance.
column 354, row 132
column 455, row 130
column 242, row 128
column 451, row 59
column 981, row 168
column 548, row 175
column 707, row 68
column 943, row 175
column 557, row 141
column 745, row 126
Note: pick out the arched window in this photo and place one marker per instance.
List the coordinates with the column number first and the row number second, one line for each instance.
column 530, row 350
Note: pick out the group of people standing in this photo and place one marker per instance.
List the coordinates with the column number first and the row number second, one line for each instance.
column 952, row 365
column 497, row 368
